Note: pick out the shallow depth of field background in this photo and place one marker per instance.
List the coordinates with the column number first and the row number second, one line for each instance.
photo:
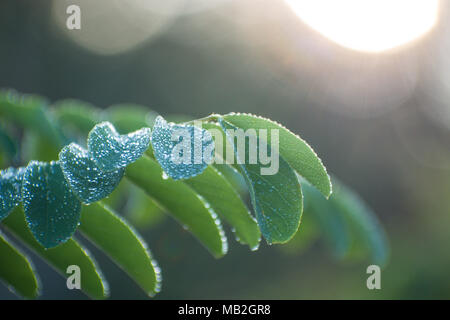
column 379, row 121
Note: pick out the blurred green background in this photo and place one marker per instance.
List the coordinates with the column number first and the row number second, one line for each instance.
column 380, row 122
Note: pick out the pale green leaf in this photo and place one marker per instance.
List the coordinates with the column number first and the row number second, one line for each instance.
column 117, row 239
column 16, row 270
column 181, row 201
column 300, row 156
column 276, row 198
column 225, row 201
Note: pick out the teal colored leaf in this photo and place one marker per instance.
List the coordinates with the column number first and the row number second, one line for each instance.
column 332, row 224
column 16, row 270
column 87, row 181
column 368, row 236
column 300, row 156
column 10, row 190
column 51, row 208
column 277, row 198
column 66, row 254
column 112, row 151
column 183, row 151
column 225, row 201
column 128, row 117
column 118, row 239
column 181, row 201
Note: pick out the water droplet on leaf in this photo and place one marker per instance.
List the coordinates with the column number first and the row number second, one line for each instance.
column 183, row 151
column 112, row 151
column 10, row 190
column 51, row 208
column 85, row 178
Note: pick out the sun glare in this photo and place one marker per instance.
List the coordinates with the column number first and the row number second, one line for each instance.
column 368, row 25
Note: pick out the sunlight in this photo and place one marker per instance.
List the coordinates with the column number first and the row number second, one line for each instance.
column 368, row 25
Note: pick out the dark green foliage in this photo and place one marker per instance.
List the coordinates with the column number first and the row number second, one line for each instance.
column 49, row 195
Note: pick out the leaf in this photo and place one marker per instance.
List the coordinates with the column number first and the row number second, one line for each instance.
column 78, row 115
column 293, row 149
column 333, row 226
column 52, row 210
column 141, row 210
column 127, row 117
column 116, row 238
column 16, row 270
column 31, row 112
column 10, row 190
column 7, row 145
column 225, row 201
column 87, row 181
column 181, row 201
column 66, row 254
column 233, row 177
column 277, row 199
column 367, row 233
column 183, row 151
column 111, row 151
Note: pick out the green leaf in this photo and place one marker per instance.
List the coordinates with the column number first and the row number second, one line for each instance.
column 181, row 201
column 127, row 117
column 16, row 270
column 329, row 220
column 348, row 224
column 36, row 147
column 111, row 151
column 7, row 145
column 368, row 236
column 31, row 112
column 78, row 115
column 141, row 210
column 116, row 238
column 233, row 177
column 87, row 181
column 183, row 151
column 293, row 149
column 225, row 201
column 51, row 208
column 69, row 253
column 277, row 198
column 10, row 190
